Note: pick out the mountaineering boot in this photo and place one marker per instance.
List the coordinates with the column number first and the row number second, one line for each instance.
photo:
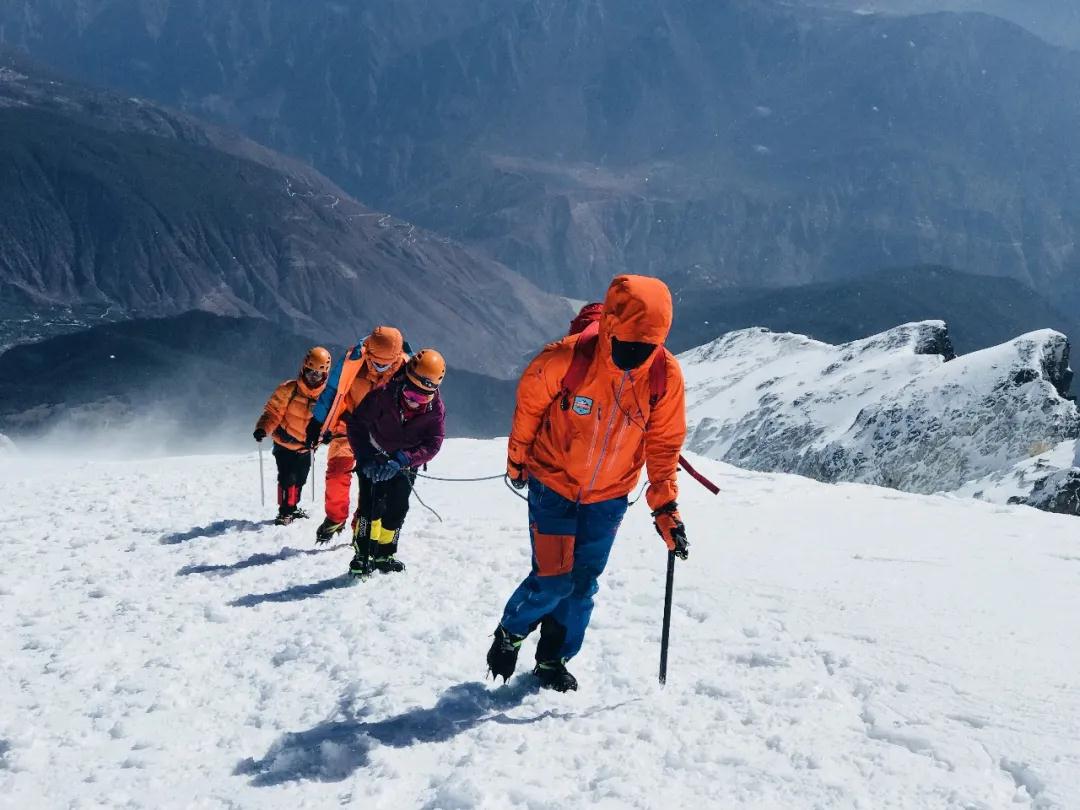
column 554, row 675
column 299, row 514
column 284, row 518
column 361, row 561
column 360, row 567
column 502, row 657
column 387, row 564
column 327, row 530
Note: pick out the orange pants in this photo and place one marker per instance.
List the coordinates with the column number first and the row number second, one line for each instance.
column 339, row 472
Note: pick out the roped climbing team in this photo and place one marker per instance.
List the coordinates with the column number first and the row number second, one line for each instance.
column 592, row 410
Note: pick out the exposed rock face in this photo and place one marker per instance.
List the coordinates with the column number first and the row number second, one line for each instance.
column 752, row 142
column 1049, row 481
column 115, row 205
column 883, row 410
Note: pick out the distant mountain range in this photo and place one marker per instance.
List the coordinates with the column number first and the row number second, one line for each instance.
column 191, row 382
column 1057, row 21
column 981, row 311
column 114, row 208
column 757, row 143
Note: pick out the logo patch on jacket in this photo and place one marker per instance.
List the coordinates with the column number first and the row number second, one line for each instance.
column 582, row 406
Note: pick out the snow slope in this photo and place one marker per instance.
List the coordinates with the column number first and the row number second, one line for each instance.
column 840, row 646
column 884, row 410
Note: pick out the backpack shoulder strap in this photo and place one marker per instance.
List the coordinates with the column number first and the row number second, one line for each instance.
column 658, row 377
column 584, row 351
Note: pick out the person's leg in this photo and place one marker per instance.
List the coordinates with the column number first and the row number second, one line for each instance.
column 339, row 468
column 301, row 469
column 552, row 526
column 284, row 476
column 396, row 506
column 564, row 629
column 362, row 527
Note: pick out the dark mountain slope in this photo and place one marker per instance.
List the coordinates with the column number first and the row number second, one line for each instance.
column 981, row 311
column 760, row 141
column 194, row 381
column 116, row 204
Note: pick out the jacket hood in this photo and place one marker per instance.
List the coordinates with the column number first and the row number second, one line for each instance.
column 384, row 345
column 636, row 309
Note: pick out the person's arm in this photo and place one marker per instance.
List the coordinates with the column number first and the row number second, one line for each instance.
column 538, row 388
column 274, row 411
column 664, row 437
column 430, row 444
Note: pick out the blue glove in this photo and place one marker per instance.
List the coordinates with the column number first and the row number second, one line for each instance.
column 369, row 469
column 385, row 471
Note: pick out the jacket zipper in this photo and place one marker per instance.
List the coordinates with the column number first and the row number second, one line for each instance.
column 607, row 437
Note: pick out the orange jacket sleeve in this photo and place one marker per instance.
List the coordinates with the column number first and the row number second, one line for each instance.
column 274, row 411
column 537, row 389
column 664, row 437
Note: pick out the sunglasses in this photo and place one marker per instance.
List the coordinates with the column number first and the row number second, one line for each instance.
column 313, row 377
column 380, row 367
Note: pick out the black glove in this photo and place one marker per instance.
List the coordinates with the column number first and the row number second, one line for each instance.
column 517, row 474
column 259, row 434
column 311, row 439
column 670, row 527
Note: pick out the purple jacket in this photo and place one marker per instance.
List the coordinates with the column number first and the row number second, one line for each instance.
column 378, row 421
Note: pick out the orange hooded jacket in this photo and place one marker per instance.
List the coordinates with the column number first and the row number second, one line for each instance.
column 594, row 450
column 287, row 413
column 359, row 376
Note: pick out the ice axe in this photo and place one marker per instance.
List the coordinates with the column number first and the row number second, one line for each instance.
column 262, row 477
column 665, row 635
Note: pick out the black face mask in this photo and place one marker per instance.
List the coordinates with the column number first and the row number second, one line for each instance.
column 628, row 355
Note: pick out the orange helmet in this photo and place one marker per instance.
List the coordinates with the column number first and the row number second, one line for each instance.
column 426, row 370
column 316, row 367
column 383, row 347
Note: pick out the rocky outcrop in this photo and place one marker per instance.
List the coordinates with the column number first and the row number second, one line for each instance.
column 885, row 411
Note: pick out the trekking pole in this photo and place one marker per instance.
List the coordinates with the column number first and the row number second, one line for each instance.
column 262, row 477
column 665, row 636
column 313, row 476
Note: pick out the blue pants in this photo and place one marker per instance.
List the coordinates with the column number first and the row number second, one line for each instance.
column 570, row 545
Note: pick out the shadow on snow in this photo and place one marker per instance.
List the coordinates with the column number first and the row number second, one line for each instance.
column 255, row 560
column 296, row 593
column 214, row 530
column 334, row 749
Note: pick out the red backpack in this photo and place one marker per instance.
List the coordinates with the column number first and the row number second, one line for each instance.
column 585, row 351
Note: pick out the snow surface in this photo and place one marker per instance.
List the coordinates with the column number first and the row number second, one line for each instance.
column 833, row 646
column 879, row 410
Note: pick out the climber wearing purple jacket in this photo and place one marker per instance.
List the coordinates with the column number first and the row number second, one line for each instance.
column 394, row 431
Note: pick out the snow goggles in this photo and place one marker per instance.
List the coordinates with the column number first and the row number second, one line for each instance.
column 380, row 367
column 416, row 397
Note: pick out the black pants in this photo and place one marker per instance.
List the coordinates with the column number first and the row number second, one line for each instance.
column 383, row 508
column 293, row 467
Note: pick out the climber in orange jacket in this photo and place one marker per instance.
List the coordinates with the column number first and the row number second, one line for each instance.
column 369, row 365
column 285, row 419
column 581, row 452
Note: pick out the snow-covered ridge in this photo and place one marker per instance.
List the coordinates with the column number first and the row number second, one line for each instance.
column 893, row 409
